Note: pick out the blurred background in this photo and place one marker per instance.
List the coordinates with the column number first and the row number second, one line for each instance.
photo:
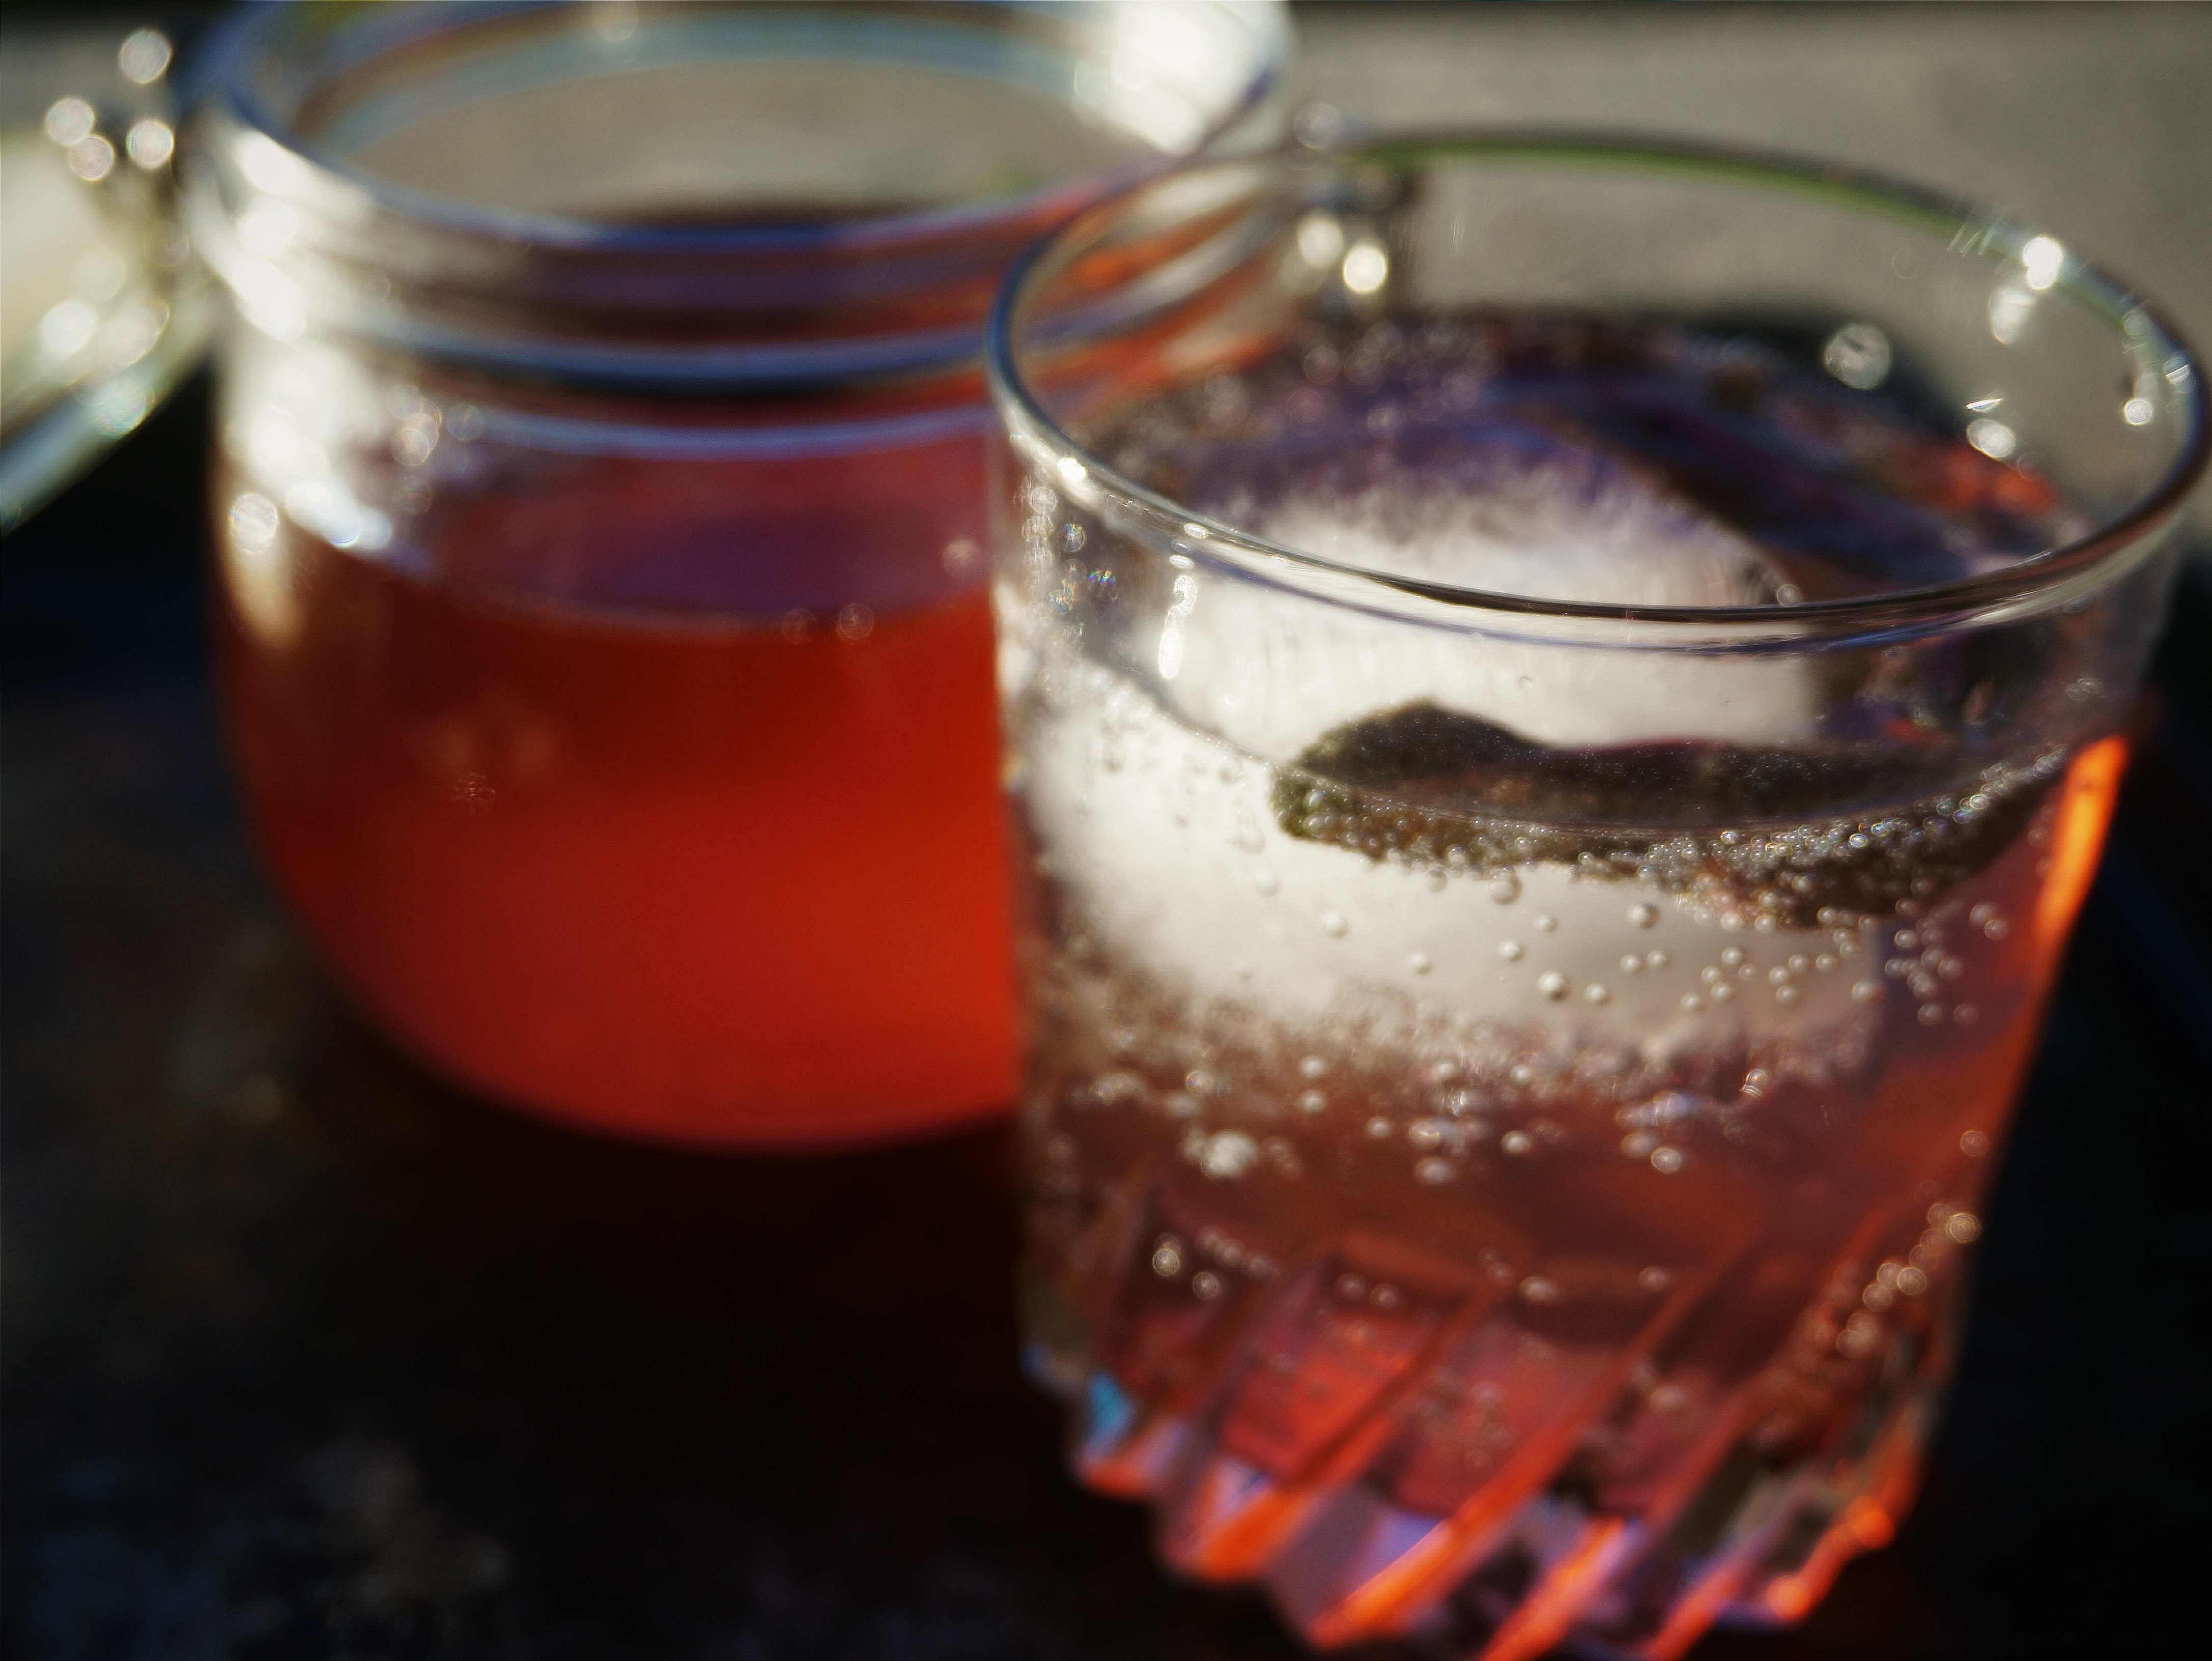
column 309, row 1356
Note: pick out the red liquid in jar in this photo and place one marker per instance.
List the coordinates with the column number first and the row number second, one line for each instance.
column 703, row 881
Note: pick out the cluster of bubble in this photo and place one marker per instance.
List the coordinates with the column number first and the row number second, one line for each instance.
column 1241, row 1101
column 1925, row 959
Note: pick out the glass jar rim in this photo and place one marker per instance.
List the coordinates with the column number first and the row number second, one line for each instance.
column 227, row 85
column 2052, row 575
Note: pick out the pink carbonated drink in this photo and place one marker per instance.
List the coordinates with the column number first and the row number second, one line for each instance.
column 1507, row 1115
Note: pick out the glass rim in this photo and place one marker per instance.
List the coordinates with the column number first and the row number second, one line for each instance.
column 2046, row 573
column 227, row 87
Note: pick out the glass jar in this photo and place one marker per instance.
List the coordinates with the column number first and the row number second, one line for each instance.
column 1560, row 705
column 598, row 495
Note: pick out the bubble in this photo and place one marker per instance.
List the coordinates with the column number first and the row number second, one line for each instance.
column 1966, row 1015
column 1645, row 917
column 1877, row 1297
column 1537, row 1289
column 855, row 623
column 1709, row 975
column 1799, row 963
column 1785, row 995
column 1385, row 1296
column 1228, row 1155
column 1995, row 928
column 1553, row 985
column 1334, row 925
column 1781, row 977
column 1114, row 1089
column 1312, row 1102
column 1511, row 950
column 1693, row 1003
column 1732, row 956
column 1636, row 1145
column 1352, row 1288
column 1547, row 924
column 1655, row 1279
column 1505, row 887
column 1434, row 1172
column 1963, row 1227
column 1205, row 1286
column 474, row 795
column 1199, row 1082
column 1907, row 941
column 1911, row 1282
column 1180, row 1103
column 1518, row 1142
column 1632, row 964
column 1265, row 882
column 1418, row 963
column 1824, row 962
column 1865, row 993
column 1666, row 1160
column 1311, row 1067
column 1932, row 1014
column 1657, row 960
column 1167, row 1257
column 1721, row 994
column 1974, row 1144
column 1596, row 994
column 1379, row 1129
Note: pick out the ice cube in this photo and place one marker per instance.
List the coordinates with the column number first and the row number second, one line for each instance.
column 1271, row 671
column 1167, row 840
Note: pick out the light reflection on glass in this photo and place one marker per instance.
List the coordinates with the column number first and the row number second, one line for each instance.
column 1858, row 355
column 2041, row 260
column 2010, row 307
column 68, row 120
column 143, row 57
column 150, row 143
column 1992, row 438
column 1366, row 267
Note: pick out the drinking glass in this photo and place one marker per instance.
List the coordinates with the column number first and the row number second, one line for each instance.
column 1561, row 697
column 598, row 501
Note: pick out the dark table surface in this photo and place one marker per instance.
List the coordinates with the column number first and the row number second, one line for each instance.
column 308, row 1354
